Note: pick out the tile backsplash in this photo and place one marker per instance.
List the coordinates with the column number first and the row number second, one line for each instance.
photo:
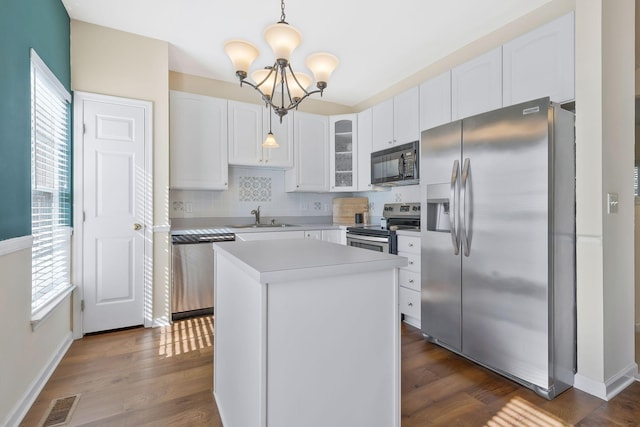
column 250, row 187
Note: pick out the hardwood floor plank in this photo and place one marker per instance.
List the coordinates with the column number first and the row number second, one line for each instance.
column 164, row 377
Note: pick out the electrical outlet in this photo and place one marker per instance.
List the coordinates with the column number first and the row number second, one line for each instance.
column 304, row 206
column 178, row 209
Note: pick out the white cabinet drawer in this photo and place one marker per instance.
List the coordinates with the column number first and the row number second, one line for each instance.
column 409, row 279
column 409, row 244
column 410, row 302
column 414, row 261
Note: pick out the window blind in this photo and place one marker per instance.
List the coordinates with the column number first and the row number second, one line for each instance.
column 50, row 184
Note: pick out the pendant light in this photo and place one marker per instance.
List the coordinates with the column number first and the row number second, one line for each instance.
column 270, row 140
column 280, row 87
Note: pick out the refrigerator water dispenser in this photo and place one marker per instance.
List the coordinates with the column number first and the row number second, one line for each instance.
column 438, row 207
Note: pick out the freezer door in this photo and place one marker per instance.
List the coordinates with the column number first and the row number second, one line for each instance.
column 441, row 262
column 505, row 221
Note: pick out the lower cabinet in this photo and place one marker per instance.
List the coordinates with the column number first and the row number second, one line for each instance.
column 409, row 279
column 270, row 235
column 335, row 236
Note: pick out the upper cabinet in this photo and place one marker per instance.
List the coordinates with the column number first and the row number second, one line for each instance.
column 396, row 121
column 248, row 127
column 197, row 142
column 365, row 137
column 435, row 101
column 476, row 85
column 343, row 153
column 311, row 154
column 540, row 63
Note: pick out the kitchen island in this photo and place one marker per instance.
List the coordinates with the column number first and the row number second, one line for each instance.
column 306, row 334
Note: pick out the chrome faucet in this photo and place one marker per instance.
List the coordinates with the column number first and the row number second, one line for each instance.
column 256, row 212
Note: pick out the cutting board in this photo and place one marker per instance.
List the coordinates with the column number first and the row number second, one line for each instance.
column 346, row 208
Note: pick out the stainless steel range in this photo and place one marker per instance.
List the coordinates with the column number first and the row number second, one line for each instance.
column 382, row 238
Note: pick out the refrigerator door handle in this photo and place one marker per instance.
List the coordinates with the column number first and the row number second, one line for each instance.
column 465, row 209
column 453, row 216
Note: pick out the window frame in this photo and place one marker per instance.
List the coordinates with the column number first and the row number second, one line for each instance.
column 51, row 183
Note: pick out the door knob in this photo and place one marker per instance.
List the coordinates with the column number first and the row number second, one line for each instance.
column 137, row 226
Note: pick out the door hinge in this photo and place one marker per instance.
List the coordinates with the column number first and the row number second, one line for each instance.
column 84, row 129
column 84, row 216
column 81, row 305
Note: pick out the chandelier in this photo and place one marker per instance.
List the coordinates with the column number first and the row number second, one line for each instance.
column 281, row 88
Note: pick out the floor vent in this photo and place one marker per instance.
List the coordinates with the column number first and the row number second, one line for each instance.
column 60, row 411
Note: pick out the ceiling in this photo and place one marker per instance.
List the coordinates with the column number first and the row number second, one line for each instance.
column 379, row 43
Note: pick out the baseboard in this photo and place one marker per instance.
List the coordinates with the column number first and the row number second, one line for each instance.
column 161, row 321
column 607, row 390
column 18, row 413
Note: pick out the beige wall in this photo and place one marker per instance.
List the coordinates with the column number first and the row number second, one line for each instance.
column 116, row 63
column 26, row 354
column 226, row 90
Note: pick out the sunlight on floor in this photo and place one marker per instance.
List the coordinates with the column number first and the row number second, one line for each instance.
column 186, row 335
column 518, row 412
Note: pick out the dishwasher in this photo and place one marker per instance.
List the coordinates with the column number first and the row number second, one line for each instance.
column 193, row 272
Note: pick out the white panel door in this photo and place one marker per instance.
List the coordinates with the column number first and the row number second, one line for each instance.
column 281, row 157
column 476, row 85
column 435, row 101
column 245, row 134
column 365, row 138
column 198, row 142
column 540, row 63
column 311, row 151
column 114, row 176
column 406, row 116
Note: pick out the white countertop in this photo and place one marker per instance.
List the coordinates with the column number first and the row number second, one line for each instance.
column 295, row 259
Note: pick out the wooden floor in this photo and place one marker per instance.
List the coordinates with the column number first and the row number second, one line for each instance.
column 163, row 377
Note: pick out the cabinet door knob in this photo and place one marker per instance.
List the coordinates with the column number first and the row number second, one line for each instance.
column 411, row 281
column 410, row 262
column 410, row 304
column 410, row 245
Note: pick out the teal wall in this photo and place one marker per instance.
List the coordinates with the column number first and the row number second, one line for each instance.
column 43, row 25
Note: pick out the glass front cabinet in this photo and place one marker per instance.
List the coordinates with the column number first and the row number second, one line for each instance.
column 343, row 157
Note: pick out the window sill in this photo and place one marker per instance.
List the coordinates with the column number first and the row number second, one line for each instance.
column 44, row 312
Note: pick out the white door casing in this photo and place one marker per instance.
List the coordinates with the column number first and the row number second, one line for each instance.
column 112, row 211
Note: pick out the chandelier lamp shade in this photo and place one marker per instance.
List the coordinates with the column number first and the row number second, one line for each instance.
column 281, row 88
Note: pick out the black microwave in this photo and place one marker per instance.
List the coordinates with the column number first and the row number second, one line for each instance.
column 398, row 165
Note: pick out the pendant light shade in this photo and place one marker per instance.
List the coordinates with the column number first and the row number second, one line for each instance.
column 270, row 141
column 283, row 39
column 266, row 86
column 322, row 65
column 242, row 55
column 299, row 85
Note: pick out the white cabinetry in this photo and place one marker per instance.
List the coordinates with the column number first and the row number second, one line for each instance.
column 198, row 142
column 248, row 127
column 435, row 101
column 311, row 152
column 540, row 63
column 409, row 279
column 313, row 234
column 396, row 121
column 476, row 85
column 335, row 236
column 270, row 235
column 365, row 138
column 343, row 157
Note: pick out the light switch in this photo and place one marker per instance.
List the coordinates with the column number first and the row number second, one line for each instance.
column 612, row 203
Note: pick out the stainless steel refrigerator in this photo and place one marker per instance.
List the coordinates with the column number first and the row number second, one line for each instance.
column 498, row 242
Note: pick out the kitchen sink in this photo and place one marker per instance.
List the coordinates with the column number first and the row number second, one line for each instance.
column 262, row 226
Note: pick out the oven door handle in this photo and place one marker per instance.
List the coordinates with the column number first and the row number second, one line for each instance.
column 367, row 238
